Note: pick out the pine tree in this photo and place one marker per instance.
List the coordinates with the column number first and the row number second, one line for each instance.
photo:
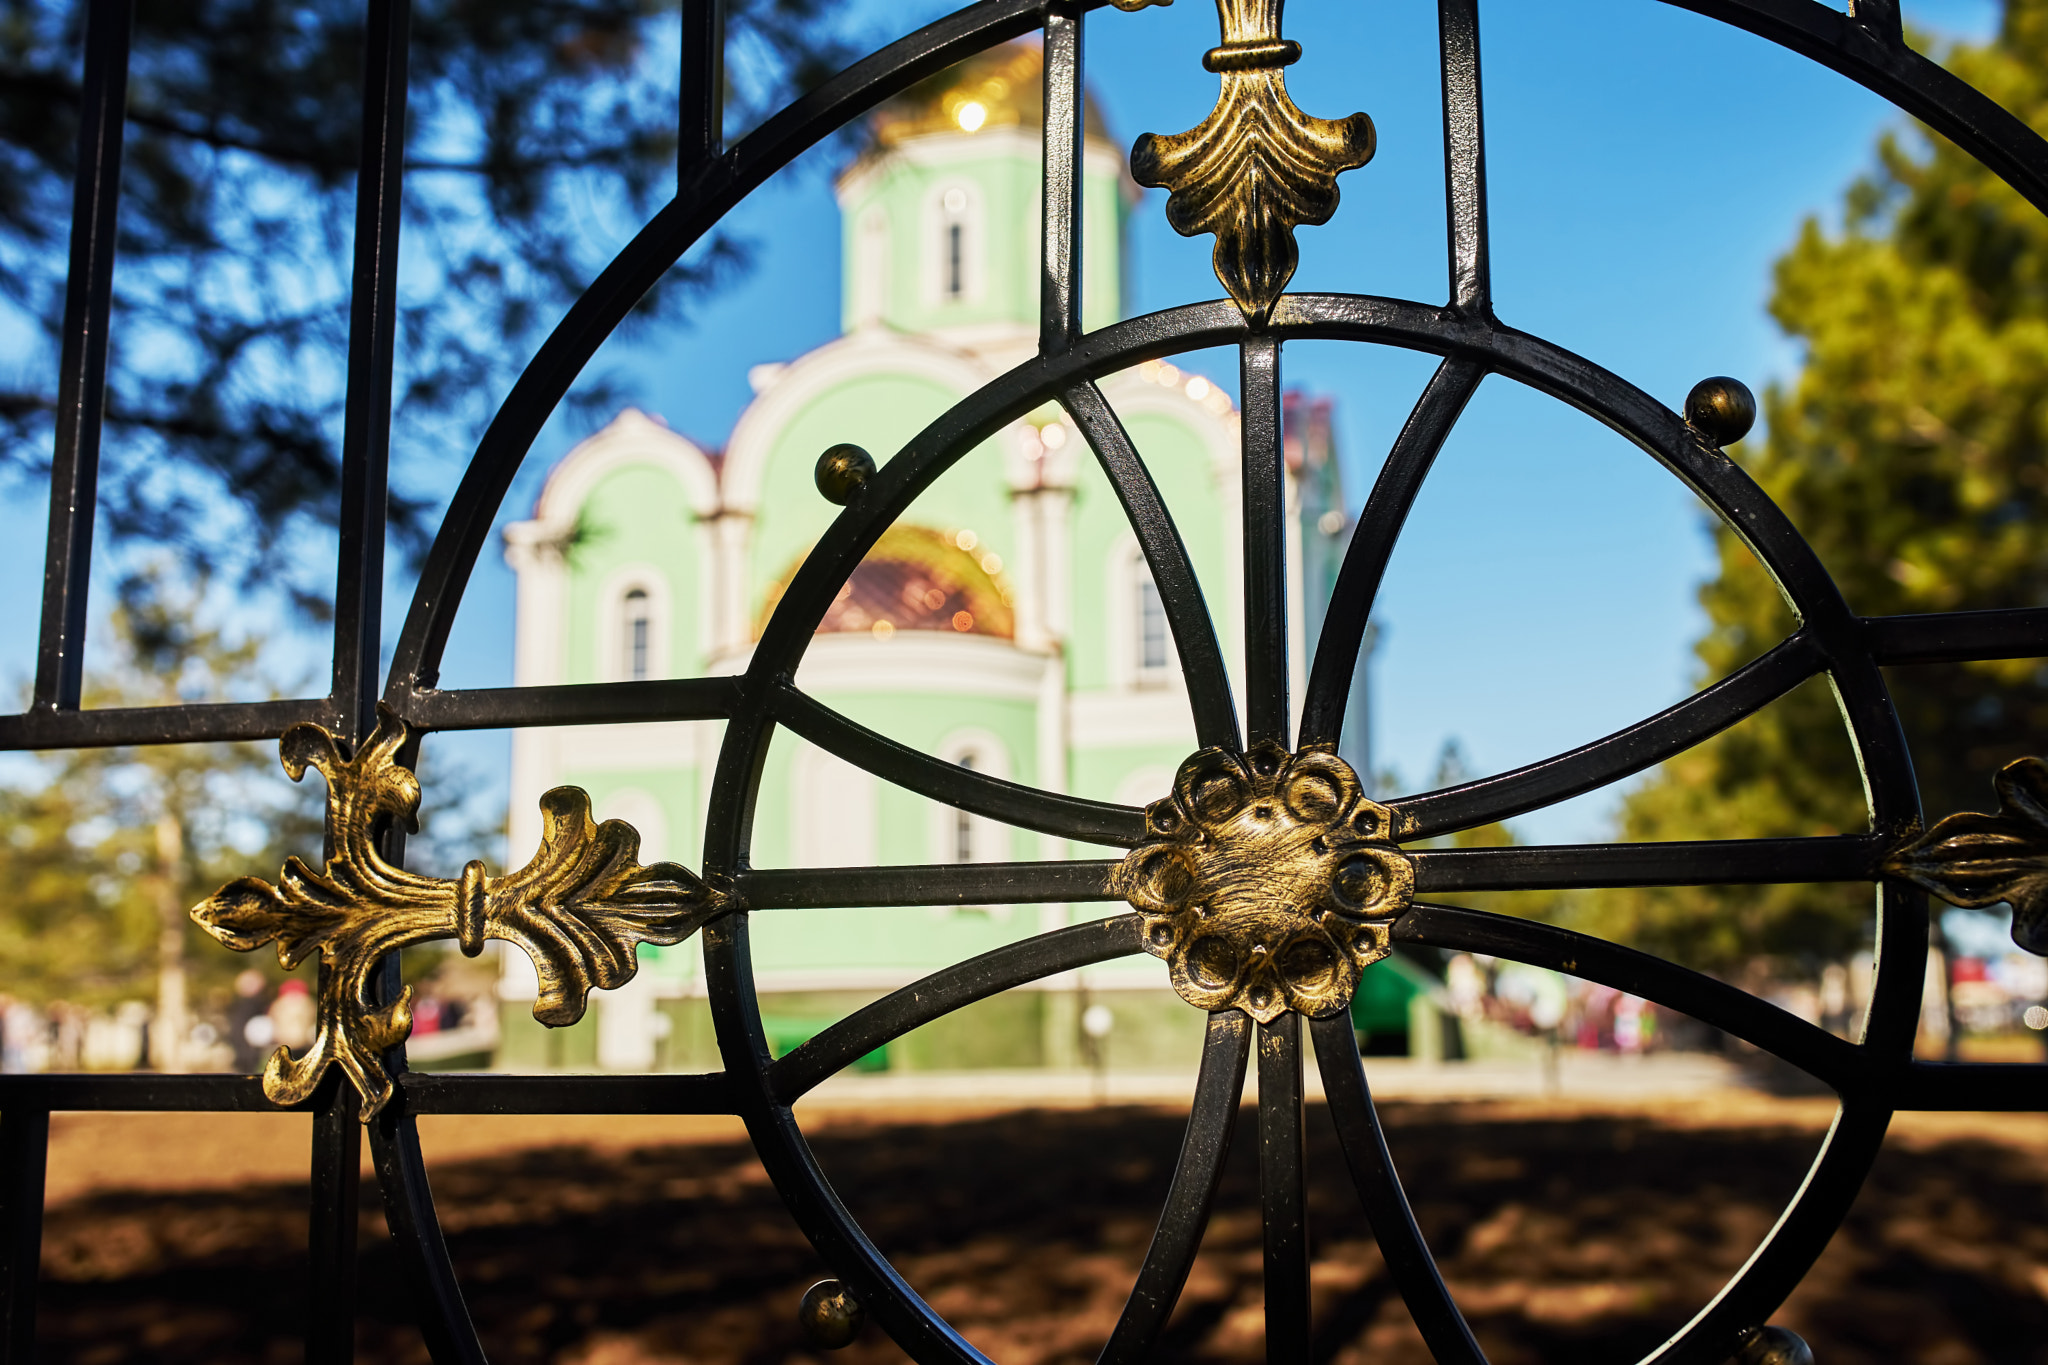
column 1912, row 452
column 106, row 849
column 541, row 133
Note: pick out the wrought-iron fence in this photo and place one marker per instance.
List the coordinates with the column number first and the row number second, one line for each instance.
column 1268, row 881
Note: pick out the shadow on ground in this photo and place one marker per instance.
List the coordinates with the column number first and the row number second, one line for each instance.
column 1568, row 1238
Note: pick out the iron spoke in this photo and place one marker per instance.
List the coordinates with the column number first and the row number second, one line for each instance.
column 1180, row 592
column 409, row 1210
column 1015, row 964
column 1203, row 1152
column 1840, row 1064
column 1069, row 817
column 1704, row 714
column 1413, row 1269
column 1372, row 545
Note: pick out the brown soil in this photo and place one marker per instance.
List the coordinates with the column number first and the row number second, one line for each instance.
column 1569, row 1234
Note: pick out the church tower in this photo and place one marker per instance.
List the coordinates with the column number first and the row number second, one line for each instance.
column 1007, row 622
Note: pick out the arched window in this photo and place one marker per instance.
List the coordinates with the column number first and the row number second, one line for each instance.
column 1155, row 646
column 963, row 823
column 955, row 204
column 636, row 634
column 953, row 272
column 958, row 836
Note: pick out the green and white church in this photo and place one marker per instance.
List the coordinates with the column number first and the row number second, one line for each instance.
column 1008, row 623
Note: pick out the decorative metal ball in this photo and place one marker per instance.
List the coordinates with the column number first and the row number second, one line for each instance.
column 842, row 471
column 1721, row 409
column 1774, row 1346
column 830, row 1315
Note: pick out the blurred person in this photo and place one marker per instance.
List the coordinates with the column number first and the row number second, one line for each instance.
column 25, row 1046
column 248, row 1006
column 293, row 1015
column 1631, row 1025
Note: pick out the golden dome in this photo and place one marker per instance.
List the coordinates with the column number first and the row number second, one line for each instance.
column 915, row 578
column 1003, row 87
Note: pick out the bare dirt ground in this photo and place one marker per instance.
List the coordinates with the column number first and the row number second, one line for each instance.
column 1570, row 1232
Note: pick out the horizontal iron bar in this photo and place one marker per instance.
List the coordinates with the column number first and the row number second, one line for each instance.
column 1989, row 1086
column 209, row 722
column 425, row 1093
column 469, row 1093
column 141, row 1092
column 493, row 708
column 1724, row 862
column 930, row 884
column 1950, row 637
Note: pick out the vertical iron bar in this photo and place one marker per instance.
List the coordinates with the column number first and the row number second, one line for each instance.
column 372, row 340
column 1283, row 1159
column 82, row 364
column 1465, row 157
column 1059, row 295
column 331, row 1225
column 1265, row 544
column 700, row 126
column 24, row 1156
column 358, row 610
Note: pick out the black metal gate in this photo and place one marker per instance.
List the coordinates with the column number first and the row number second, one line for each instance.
column 1262, row 799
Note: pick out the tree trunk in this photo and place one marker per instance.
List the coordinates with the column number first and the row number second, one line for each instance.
column 172, row 1025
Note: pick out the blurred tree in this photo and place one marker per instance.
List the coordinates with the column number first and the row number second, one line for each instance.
column 1912, row 451
column 539, row 132
column 106, row 848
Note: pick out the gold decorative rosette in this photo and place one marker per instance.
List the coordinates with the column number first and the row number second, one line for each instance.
column 1268, row 881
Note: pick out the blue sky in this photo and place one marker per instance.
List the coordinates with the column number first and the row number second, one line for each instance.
column 1647, row 165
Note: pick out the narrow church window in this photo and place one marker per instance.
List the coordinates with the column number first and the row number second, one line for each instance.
column 963, row 823
column 1152, row 638
column 955, row 205
column 639, row 623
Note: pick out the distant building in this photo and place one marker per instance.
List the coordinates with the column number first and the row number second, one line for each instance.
column 1008, row 622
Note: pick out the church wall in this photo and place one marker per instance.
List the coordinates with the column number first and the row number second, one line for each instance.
column 880, row 412
column 637, row 523
column 1180, row 464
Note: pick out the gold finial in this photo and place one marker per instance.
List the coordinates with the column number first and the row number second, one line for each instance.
column 1268, row 882
column 1257, row 167
column 830, row 1315
column 579, row 909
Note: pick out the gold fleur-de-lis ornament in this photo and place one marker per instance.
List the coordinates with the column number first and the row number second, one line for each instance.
column 1257, row 167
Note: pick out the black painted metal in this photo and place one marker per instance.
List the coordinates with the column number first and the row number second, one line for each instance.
column 1180, row 593
column 1872, row 1076
column 1386, row 1204
column 1283, row 1197
column 1265, row 543
column 24, row 1155
column 1372, row 546
column 838, row 1047
column 1196, row 1175
column 82, row 373
column 1029, row 807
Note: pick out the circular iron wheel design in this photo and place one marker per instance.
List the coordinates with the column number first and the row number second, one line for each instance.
column 1868, row 1076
